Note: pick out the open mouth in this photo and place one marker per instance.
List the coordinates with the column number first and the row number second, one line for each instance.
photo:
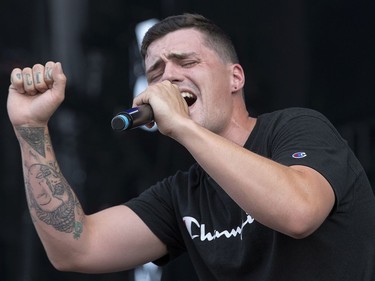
column 189, row 98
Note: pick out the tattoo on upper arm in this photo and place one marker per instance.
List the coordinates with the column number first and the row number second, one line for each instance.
column 53, row 200
column 35, row 138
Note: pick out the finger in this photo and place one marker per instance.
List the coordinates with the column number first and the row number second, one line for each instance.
column 150, row 125
column 48, row 73
column 16, row 80
column 38, row 78
column 141, row 98
column 28, row 83
column 175, row 87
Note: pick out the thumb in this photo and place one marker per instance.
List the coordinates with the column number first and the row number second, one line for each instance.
column 59, row 78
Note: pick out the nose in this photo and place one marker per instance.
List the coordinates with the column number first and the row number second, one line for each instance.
column 172, row 72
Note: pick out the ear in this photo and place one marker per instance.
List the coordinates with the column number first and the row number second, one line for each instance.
column 238, row 78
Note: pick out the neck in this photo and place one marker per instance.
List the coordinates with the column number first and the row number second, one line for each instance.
column 240, row 130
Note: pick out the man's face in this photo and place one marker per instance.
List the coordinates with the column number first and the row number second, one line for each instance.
column 182, row 58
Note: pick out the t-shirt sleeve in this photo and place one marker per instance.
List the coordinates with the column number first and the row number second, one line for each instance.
column 154, row 206
column 309, row 139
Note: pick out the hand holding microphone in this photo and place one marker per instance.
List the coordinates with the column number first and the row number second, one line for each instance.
column 161, row 102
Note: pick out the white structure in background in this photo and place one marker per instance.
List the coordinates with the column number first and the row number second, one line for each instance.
column 148, row 271
column 141, row 82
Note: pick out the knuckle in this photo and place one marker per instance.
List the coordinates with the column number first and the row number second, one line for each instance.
column 38, row 78
column 37, row 67
column 28, row 82
column 48, row 73
column 16, row 77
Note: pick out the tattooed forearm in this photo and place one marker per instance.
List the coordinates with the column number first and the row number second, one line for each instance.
column 50, row 198
column 34, row 137
column 53, row 200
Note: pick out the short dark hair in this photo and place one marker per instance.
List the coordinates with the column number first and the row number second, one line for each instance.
column 215, row 37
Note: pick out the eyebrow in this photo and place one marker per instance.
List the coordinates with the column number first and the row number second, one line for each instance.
column 171, row 56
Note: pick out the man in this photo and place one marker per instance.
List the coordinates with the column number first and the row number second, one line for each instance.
column 278, row 197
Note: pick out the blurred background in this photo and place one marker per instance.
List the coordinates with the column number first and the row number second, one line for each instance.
column 310, row 53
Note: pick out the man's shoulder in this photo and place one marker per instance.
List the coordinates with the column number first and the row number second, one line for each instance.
column 285, row 115
column 293, row 112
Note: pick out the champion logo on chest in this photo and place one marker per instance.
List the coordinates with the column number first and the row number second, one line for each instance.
column 199, row 231
column 299, row 155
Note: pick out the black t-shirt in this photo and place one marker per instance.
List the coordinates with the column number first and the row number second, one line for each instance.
column 190, row 212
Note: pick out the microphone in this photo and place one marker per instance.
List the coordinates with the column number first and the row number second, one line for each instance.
column 133, row 118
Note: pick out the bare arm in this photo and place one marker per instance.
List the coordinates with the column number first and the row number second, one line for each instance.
column 111, row 240
column 292, row 200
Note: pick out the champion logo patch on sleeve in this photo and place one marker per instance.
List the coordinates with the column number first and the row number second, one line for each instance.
column 299, row 155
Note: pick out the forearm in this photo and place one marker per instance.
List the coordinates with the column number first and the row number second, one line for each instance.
column 54, row 207
column 291, row 200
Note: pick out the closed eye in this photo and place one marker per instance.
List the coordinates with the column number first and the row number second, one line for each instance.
column 188, row 63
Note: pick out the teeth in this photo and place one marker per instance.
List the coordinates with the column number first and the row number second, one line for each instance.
column 187, row 95
column 189, row 98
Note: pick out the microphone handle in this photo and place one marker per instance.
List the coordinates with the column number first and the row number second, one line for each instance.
column 133, row 118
